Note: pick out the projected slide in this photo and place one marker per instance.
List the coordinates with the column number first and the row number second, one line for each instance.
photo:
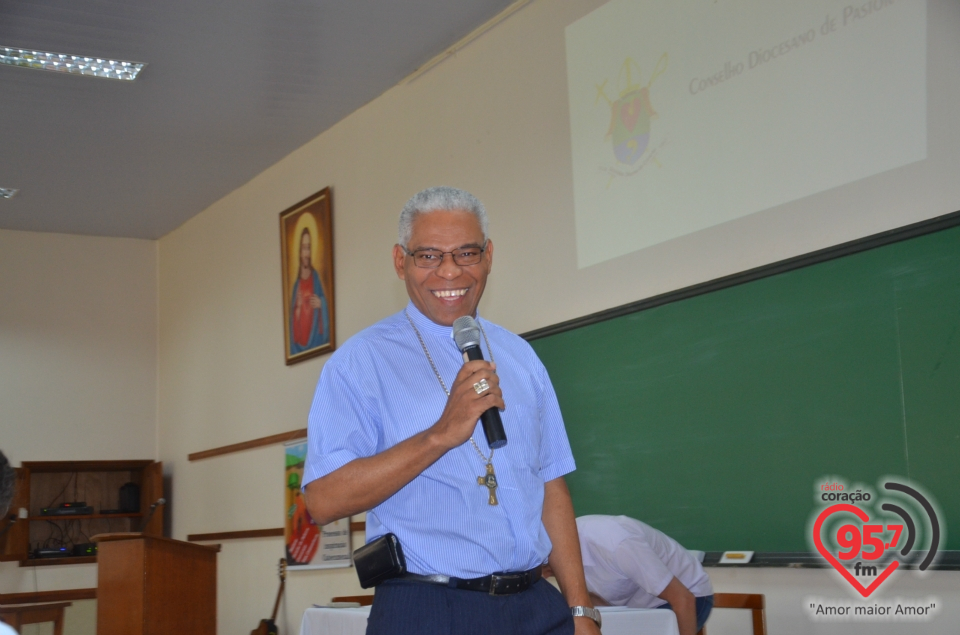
column 688, row 114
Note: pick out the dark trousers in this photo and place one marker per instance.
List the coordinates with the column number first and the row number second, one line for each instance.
column 404, row 607
column 704, row 606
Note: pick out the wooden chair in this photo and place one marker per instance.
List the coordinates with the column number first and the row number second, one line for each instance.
column 753, row 601
column 364, row 600
column 19, row 615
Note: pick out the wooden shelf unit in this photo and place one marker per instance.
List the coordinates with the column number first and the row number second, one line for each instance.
column 34, row 519
column 97, row 483
column 49, row 562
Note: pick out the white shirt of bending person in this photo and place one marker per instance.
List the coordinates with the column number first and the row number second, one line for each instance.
column 629, row 563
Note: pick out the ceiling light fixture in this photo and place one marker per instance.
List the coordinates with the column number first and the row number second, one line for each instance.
column 72, row 64
column 7, row 192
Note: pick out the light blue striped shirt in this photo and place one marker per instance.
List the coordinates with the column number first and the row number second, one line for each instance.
column 378, row 389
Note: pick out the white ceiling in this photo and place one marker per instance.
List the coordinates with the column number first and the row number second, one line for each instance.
column 231, row 87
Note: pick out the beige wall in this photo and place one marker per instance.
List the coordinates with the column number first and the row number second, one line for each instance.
column 78, row 367
column 78, row 324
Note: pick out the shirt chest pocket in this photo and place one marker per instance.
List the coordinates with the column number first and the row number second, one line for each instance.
column 521, row 455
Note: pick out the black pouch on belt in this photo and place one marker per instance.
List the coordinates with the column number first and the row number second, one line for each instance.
column 379, row 560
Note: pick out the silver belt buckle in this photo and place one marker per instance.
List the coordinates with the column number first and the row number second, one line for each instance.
column 496, row 579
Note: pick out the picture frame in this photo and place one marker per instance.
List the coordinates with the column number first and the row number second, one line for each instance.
column 306, row 262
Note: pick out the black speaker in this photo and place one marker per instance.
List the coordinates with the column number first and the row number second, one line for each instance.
column 130, row 498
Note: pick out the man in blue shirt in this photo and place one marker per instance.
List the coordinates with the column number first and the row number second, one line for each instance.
column 393, row 430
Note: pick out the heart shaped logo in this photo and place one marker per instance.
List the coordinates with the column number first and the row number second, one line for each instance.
column 854, row 582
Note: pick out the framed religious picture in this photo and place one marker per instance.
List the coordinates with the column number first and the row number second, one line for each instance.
column 306, row 258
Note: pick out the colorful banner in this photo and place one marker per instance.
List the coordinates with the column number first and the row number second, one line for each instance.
column 308, row 545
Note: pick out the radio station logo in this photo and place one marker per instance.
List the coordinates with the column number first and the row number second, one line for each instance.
column 866, row 536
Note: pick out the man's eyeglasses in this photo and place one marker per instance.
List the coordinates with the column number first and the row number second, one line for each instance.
column 431, row 258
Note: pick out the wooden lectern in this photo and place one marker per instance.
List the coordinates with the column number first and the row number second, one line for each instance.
column 148, row 585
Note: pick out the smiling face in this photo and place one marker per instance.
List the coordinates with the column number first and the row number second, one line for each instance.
column 449, row 291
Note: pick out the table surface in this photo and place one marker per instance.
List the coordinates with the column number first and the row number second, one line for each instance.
column 19, row 615
column 617, row 620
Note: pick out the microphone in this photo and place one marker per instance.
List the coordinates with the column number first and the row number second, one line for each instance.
column 153, row 508
column 466, row 333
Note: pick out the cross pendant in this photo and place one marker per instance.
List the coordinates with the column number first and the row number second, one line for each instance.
column 490, row 482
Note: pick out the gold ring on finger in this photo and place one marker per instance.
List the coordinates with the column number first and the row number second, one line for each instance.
column 481, row 386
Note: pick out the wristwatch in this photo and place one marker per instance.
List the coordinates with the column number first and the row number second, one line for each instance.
column 586, row 611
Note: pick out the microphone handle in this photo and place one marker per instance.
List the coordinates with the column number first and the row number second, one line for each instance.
column 492, row 424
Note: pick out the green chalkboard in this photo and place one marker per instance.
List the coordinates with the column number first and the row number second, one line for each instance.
column 712, row 417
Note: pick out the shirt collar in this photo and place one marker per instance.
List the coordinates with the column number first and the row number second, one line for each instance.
column 426, row 325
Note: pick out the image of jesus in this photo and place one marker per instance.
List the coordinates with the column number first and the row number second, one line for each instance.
column 309, row 315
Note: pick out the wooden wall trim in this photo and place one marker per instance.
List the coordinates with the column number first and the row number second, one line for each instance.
column 54, row 562
column 33, row 597
column 85, row 466
column 236, row 535
column 257, row 533
column 283, row 437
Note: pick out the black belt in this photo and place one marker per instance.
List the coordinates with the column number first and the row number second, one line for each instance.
column 495, row 584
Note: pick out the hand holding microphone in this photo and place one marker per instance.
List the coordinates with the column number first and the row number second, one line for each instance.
column 466, row 333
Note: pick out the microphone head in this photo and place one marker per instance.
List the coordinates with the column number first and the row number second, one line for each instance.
column 466, row 332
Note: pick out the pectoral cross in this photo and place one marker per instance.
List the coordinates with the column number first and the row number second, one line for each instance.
column 490, row 482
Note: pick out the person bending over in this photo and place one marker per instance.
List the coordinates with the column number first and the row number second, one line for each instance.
column 629, row 563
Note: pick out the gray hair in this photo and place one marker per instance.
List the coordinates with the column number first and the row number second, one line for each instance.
column 8, row 482
column 436, row 199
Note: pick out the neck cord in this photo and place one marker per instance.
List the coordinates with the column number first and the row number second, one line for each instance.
column 440, row 379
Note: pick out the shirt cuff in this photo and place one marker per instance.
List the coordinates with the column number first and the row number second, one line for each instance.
column 325, row 465
column 558, row 469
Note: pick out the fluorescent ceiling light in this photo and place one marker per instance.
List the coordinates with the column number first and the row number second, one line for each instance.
column 6, row 192
column 72, row 64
